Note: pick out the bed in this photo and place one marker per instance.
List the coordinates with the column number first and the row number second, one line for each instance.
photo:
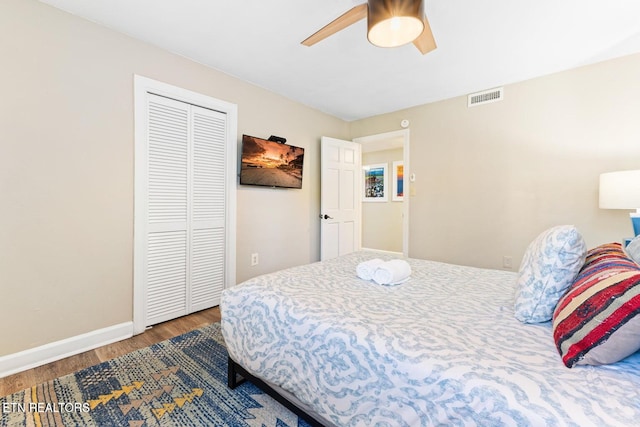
column 443, row 348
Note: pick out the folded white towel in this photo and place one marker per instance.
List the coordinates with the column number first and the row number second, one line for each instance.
column 365, row 269
column 392, row 272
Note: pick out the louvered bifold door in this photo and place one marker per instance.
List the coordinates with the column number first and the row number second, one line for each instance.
column 184, row 248
column 167, row 237
column 207, row 259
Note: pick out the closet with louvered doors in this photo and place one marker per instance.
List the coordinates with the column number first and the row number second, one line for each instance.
column 183, row 261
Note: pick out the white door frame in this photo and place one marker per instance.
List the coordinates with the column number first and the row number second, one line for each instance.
column 142, row 86
column 405, row 134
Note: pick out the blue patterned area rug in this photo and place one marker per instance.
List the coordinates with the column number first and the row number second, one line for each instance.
column 178, row 382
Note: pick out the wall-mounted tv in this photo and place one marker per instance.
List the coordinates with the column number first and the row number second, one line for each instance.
column 270, row 164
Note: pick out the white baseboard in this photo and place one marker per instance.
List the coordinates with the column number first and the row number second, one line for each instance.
column 34, row 357
column 382, row 251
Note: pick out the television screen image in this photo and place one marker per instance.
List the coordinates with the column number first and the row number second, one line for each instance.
column 270, row 163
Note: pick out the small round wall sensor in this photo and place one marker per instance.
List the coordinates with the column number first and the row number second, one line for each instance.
column 404, row 123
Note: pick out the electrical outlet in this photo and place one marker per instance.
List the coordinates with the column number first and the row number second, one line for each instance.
column 254, row 259
column 507, row 262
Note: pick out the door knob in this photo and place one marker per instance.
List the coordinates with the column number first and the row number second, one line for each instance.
column 325, row 216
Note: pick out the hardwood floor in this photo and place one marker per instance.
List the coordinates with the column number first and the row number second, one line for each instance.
column 157, row 333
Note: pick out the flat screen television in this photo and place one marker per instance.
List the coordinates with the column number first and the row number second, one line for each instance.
column 270, row 164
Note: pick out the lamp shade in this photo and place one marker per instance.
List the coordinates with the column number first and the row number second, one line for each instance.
column 393, row 23
column 620, row 190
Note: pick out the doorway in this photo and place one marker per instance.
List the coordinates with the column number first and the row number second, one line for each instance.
column 385, row 219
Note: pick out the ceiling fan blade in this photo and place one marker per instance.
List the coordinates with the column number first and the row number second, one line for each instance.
column 425, row 41
column 340, row 23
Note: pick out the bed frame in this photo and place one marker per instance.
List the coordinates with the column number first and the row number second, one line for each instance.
column 236, row 375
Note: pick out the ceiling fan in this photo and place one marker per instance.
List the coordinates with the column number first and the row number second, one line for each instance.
column 390, row 23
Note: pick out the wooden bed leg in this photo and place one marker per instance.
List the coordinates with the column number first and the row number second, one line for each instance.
column 232, row 375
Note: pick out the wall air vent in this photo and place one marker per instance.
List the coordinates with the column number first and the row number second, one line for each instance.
column 485, row 97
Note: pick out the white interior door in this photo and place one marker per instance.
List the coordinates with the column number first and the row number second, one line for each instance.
column 208, row 209
column 339, row 197
column 167, row 228
column 185, row 239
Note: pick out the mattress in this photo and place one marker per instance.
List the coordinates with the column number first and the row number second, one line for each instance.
column 442, row 348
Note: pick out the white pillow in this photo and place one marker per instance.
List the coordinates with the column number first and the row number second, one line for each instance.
column 549, row 266
column 633, row 249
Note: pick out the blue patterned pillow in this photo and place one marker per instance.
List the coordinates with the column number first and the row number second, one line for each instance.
column 548, row 267
column 633, row 249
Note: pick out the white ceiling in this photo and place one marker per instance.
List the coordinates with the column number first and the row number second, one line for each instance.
column 481, row 44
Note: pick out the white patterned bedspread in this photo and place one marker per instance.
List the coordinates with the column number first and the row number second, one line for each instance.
column 443, row 348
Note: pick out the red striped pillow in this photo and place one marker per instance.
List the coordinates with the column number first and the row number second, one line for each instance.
column 597, row 321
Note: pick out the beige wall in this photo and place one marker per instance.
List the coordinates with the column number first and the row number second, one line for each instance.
column 382, row 221
column 490, row 178
column 66, row 172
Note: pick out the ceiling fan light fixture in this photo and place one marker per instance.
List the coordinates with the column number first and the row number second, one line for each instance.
column 393, row 23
